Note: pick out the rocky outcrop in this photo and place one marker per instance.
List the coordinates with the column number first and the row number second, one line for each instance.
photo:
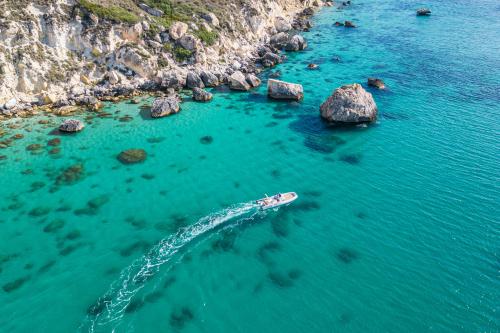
column 284, row 90
column 201, row 95
column 165, row 106
column 71, row 125
column 349, row 104
column 423, row 12
column 377, row 83
column 237, row 81
column 349, row 24
column 151, row 11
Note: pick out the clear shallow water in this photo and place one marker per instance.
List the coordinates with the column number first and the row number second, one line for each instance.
column 396, row 228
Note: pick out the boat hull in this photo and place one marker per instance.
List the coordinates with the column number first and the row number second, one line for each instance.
column 274, row 201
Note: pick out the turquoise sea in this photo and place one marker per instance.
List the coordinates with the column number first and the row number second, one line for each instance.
column 397, row 227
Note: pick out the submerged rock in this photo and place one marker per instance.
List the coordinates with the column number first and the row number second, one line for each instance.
column 312, row 66
column 284, row 90
column 201, row 95
column 71, row 125
column 349, row 104
column 131, row 156
column 70, row 175
column 377, row 83
column 237, row 81
column 423, row 12
column 165, row 106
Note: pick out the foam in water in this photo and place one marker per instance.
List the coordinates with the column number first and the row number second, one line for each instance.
column 134, row 277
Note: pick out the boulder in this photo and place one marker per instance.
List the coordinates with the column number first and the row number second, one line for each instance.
column 173, row 80
column 211, row 18
column 296, row 43
column 201, row 95
column 209, row 79
column 189, row 42
column 312, row 66
column 237, row 81
column 131, row 156
column 279, row 40
column 150, row 10
column 338, row 24
column 165, row 106
column 377, row 83
column 423, row 12
column 270, row 59
column 282, row 25
column 253, row 80
column 349, row 24
column 349, row 104
column 193, row 80
column 10, row 104
column 177, row 30
column 71, row 125
column 283, row 90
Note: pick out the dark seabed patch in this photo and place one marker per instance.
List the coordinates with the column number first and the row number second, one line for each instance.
column 352, row 159
column 280, row 279
column 225, row 242
column 179, row 318
column 16, row 284
column 140, row 245
column 99, row 306
column 206, row 140
column 347, row 255
column 325, row 144
column 134, row 305
column 54, row 225
column 39, row 211
column 266, row 250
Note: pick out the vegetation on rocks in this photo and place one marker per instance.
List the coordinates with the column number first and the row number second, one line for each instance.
column 208, row 37
column 113, row 13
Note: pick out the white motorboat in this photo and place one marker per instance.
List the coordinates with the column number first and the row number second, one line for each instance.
column 276, row 200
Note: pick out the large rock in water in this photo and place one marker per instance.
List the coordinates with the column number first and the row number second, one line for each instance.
column 237, row 81
column 349, row 104
column 165, row 106
column 209, row 79
column 283, row 90
column 131, row 156
column 71, row 125
column 296, row 43
column 193, row 80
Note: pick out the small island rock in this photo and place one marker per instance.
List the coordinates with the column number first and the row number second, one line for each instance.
column 349, row 104
column 423, row 12
column 237, row 81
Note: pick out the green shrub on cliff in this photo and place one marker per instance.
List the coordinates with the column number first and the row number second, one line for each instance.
column 113, row 13
column 208, row 37
column 181, row 53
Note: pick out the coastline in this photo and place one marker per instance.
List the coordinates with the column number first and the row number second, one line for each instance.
column 114, row 87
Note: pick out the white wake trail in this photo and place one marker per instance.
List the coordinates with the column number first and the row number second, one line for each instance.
column 132, row 279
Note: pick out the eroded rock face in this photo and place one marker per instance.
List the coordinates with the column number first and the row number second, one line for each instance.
column 165, row 106
column 211, row 18
column 201, row 95
column 282, row 25
column 237, row 81
column 189, row 42
column 349, row 104
column 270, row 59
column 284, row 90
column 71, row 125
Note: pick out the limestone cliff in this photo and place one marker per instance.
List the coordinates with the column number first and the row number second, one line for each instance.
column 53, row 50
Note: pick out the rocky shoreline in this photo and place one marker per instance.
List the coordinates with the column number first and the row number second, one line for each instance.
column 132, row 75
